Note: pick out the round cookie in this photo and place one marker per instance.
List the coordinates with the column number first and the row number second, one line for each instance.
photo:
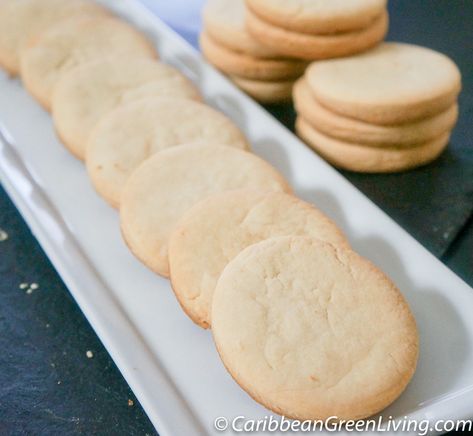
column 75, row 42
column 266, row 92
column 318, row 16
column 311, row 330
column 215, row 230
column 168, row 184
column 21, row 20
column 246, row 66
column 393, row 83
column 351, row 130
column 87, row 93
column 311, row 47
column 135, row 131
column 224, row 21
column 365, row 159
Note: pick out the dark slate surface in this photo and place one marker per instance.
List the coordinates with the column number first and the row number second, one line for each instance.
column 48, row 386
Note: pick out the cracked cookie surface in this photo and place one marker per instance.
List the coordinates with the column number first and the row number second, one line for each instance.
column 217, row 229
column 311, row 330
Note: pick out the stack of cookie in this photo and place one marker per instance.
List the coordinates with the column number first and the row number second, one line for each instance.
column 317, row 29
column 386, row 110
column 258, row 70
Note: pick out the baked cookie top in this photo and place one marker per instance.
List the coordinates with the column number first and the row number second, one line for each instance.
column 215, row 230
column 318, row 16
column 165, row 186
column 225, row 21
column 87, row 93
column 135, row 131
column 311, row 330
column 390, row 84
column 74, row 42
column 21, row 20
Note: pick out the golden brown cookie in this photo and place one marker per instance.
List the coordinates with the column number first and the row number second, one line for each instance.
column 375, row 135
column 311, row 47
column 168, row 184
column 311, row 330
column 217, row 229
column 393, row 83
column 249, row 67
column 365, row 159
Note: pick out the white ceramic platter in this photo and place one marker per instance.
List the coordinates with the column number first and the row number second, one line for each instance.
column 170, row 364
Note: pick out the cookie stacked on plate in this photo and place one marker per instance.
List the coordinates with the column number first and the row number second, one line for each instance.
column 317, row 29
column 260, row 71
column 389, row 109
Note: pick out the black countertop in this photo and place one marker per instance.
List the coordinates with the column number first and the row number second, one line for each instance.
column 49, row 385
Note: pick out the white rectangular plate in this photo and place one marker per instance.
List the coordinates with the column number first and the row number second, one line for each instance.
column 170, row 364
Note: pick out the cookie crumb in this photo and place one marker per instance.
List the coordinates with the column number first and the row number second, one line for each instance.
column 29, row 291
column 89, row 354
column 3, row 235
column 59, row 382
column 23, row 285
column 130, row 403
column 34, row 286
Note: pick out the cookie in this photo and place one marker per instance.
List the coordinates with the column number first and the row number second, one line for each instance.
column 75, row 42
column 311, row 47
column 364, row 159
column 87, row 93
column 351, row 130
column 224, row 21
column 393, row 83
column 266, row 92
column 318, row 16
column 168, row 184
column 21, row 20
column 249, row 67
column 312, row 331
column 133, row 132
column 215, row 230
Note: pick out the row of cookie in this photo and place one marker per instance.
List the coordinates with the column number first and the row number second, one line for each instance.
column 100, row 110
column 389, row 109
column 256, row 69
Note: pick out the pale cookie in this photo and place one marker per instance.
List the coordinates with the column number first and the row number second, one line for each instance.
column 311, row 330
column 246, row 66
column 351, row 130
column 168, row 184
column 391, row 84
column 318, row 16
column 224, row 21
column 87, row 93
column 21, row 20
column 75, row 42
column 365, row 159
column 311, row 47
column 266, row 92
column 135, row 131
column 215, row 230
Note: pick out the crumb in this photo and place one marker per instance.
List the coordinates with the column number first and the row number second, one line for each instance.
column 53, row 365
column 130, row 403
column 89, row 354
column 3, row 235
column 59, row 382
column 47, row 326
column 29, row 291
column 23, row 285
column 34, row 286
